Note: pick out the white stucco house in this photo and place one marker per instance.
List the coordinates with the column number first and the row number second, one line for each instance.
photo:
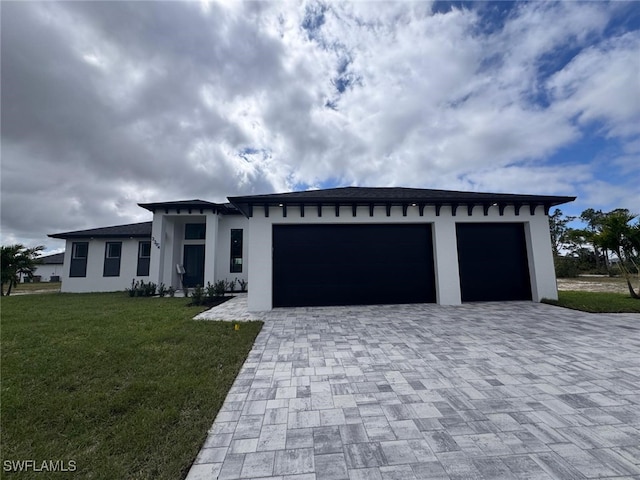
column 50, row 268
column 338, row 246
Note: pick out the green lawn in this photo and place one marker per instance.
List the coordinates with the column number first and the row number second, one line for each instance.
column 124, row 387
column 597, row 302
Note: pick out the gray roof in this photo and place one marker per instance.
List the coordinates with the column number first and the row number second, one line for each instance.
column 393, row 196
column 130, row 230
column 190, row 205
column 54, row 259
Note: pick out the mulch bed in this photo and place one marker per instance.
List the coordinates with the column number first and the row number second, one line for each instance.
column 211, row 302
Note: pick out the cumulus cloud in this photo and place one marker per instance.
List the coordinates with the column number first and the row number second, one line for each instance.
column 106, row 104
column 602, row 83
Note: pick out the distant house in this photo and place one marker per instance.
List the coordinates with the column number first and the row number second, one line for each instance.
column 335, row 246
column 50, row 270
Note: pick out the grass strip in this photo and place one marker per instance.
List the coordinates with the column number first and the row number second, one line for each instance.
column 596, row 302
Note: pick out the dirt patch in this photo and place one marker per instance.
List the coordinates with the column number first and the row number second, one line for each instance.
column 594, row 284
column 33, row 292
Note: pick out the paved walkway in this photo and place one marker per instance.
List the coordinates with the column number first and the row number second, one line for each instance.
column 479, row 391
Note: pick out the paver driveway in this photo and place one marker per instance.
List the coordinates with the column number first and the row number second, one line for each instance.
column 509, row 390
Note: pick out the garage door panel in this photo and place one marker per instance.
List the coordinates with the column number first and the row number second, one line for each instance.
column 493, row 262
column 352, row 264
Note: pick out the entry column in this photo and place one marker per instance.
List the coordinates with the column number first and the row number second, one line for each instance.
column 158, row 249
column 210, row 248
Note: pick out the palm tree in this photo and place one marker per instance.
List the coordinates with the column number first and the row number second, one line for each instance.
column 15, row 260
column 622, row 238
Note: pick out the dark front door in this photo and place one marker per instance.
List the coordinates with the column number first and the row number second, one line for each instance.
column 493, row 262
column 352, row 264
column 193, row 266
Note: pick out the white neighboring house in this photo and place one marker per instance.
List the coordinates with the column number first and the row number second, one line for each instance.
column 339, row 246
column 50, row 270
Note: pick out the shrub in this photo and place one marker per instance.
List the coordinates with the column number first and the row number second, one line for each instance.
column 162, row 290
column 171, row 291
column 219, row 288
column 566, row 267
column 243, row 285
column 231, row 285
column 141, row 289
column 210, row 290
column 131, row 291
column 197, row 297
column 149, row 289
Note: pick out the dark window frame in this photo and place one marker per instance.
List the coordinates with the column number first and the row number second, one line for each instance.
column 74, row 249
column 144, row 261
column 112, row 263
column 195, row 231
column 109, row 253
column 144, row 243
column 78, row 265
column 237, row 246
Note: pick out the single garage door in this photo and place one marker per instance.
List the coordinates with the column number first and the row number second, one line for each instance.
column 493, row 262
column 352, row 265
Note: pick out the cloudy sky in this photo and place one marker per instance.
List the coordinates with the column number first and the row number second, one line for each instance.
column 107, row 104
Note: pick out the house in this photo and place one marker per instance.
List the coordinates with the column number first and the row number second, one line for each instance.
column 338, row 246
column 50, row 268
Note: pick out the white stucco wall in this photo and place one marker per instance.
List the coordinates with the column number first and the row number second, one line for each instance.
column 223, row 249
column 94, row 281
column 445, row 258
column 447, row 278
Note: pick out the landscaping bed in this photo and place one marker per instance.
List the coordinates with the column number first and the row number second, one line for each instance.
column 210, row 302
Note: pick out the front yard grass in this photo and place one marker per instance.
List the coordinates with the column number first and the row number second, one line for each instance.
column 596, row 302
column 124, row 387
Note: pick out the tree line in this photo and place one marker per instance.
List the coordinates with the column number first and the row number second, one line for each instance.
column 609, row 244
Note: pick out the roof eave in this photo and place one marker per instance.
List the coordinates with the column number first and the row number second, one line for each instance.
column 245, row 204
column 189, row 207
column 64, row 236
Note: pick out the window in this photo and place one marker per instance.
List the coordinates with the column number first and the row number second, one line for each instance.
column 80, row 250
column 114, row 249
column 112, row 253
column 79, row 254
column 144, row 257
column 236, row 250
column 195, row 231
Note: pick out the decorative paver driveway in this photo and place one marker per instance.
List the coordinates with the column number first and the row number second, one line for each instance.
column 480, row 391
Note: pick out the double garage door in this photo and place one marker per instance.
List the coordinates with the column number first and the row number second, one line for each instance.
column 369, row 264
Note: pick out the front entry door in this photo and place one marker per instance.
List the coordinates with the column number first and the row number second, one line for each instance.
column 193, row 266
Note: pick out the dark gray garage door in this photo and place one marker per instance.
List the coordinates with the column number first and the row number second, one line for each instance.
column 352, row 265
column 493, row 262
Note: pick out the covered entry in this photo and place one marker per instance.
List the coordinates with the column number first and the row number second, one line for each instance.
column 352, row 264
column 493, row 262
